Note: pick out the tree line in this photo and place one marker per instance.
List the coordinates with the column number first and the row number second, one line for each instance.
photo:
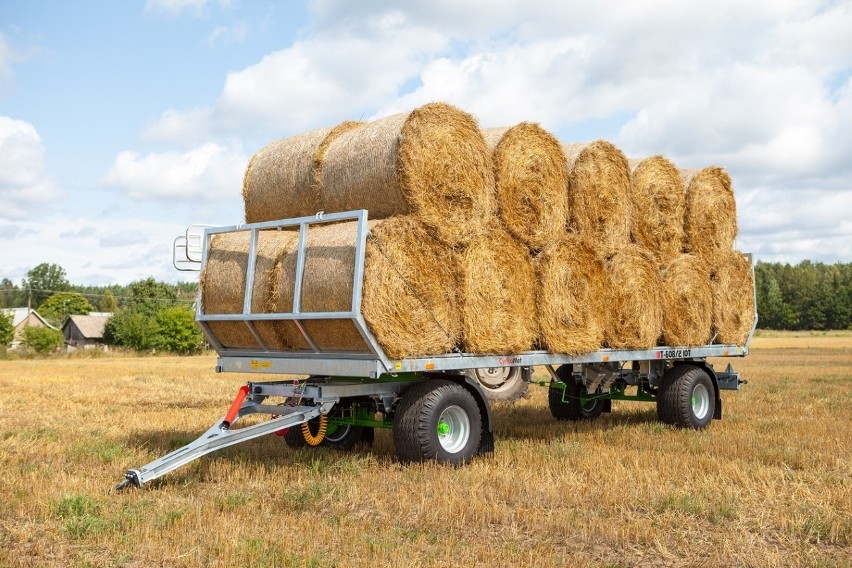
column 152, row 315
column 147, row 314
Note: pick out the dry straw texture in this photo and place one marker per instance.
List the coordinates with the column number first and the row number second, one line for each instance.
column 733, row 298
column 498, row 291
column 432, row 163
column 599, row 193
column 281, row 180
column 659, row 201
column 635, row 299
column 688, row 301
column 223, row 285
column 531, row 175
column 710, row 219
column 571, row 296
column 408, row 298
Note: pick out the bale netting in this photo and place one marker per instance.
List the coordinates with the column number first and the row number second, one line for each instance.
column 572, row 294
column 282, row 179
column 531, row 176
column 432, row 163
column 223, row 285
column 635, row 298
column 599, row 205
column 498, row 294
column 688, row 301
column 733, row 298
column 658, row 201
column 710, row 217
column 409, row 296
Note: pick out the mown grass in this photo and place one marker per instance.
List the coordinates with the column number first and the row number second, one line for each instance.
column 769, row 485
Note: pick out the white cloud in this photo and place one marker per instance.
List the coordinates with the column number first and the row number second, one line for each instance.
column 174, row 8
column 312, row 83
column 144, row 250
column 762, row 88
column 24, row 183
column 208, row 172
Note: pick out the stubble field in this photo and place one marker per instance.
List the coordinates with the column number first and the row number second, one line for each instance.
column 769, row 485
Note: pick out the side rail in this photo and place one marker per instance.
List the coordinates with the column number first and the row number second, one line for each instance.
column 207, row 321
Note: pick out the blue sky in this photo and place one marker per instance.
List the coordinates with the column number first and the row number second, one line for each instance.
column 123, row 122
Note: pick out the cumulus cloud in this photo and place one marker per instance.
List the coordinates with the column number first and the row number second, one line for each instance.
column 145, row 248
column 760, row 87
column 208, row 172
column 24, row 184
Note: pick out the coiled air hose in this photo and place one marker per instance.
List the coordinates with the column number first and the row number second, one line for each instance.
column 320, row 435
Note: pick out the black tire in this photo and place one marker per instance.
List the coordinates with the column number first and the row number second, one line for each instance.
column 572, row 408
column 504, row 384
column 344, row 437
column 437, row 420
column 686, row 397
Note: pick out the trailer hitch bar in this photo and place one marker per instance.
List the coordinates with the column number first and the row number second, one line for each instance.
column 221, row 436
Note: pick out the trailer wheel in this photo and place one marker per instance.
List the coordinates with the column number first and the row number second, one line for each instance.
column 686, row 397
column 437, row 420
column 506, row 384
column 572, row 409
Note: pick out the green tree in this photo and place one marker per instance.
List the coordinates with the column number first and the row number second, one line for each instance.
column 42, row 339
column 107, row 302
column 10, row 295
column 45, row 279
column 7, row 331
column 177, row 331
column 149, row 296
column 131, row 329
column 63, row 304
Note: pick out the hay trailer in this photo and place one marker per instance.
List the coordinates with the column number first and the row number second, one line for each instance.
column 437, row 406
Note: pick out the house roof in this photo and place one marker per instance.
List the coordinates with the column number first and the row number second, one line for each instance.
column 20, row 314
column 91, row 327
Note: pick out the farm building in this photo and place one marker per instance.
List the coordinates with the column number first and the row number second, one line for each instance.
column 85, row 331
column 23, row 318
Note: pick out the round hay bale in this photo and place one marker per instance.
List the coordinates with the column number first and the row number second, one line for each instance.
column 710, row 217
column 635, row 300
column 599, row 206
column 282, row 179
column 688, row 301
column 571, row 296
column 432, row 163
column 408, row 298
column 658, row 201
column 223, row 285
column 498, row 294
column 733, row 298
column 531, row 176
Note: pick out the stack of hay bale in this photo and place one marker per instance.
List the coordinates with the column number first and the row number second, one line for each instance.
column 483, row 241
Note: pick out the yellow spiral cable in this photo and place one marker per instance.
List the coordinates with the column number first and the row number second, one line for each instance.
column 310, row 438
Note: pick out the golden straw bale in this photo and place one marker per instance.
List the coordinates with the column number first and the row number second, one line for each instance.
column 710, row 218
column 599, row 206
column 432, row 163
column 282, row 179
column 572, row 295
column 635, row 299
column 688, row 301
column 659, row 201
column 498, row 294
column 223, row 285
column 409, row 292
column 733, row 298
column 531, row 174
